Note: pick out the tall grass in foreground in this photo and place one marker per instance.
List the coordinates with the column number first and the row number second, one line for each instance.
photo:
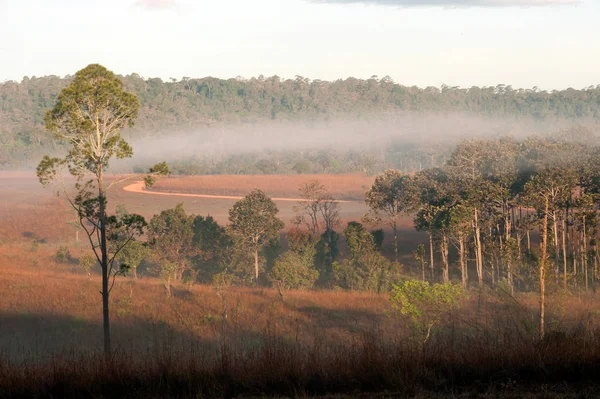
column 498, row 355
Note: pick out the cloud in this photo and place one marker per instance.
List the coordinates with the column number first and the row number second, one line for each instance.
column 155, row 4
column 455, row 3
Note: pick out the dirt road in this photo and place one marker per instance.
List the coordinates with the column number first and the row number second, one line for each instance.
column 138, row 187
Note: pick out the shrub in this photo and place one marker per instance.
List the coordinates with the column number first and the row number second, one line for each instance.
column 63, row 256
column 87, row 263
column 291, row 271
column 425, row 304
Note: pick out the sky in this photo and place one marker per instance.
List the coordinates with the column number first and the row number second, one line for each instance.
column 551, row 44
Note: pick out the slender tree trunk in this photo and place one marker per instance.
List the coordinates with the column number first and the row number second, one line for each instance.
column 564, row 249
column 528, row 241
column 256, row 264
column 395, row 239
column 104, row 265
column 478, row 252
column 168, row 285
column 556, row 247
column 462, row 260
column 134, row 271
column 444, row 251
column 584, row 257
column 431, row 266
column 542, row 271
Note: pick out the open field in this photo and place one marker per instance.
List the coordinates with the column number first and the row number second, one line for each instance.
column 253, row 341
column 350, row 186
column 25, row 206
column 246, row 341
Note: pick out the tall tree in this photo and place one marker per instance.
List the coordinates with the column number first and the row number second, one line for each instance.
column 254, row 222
column 171, row 235
column 392, row 194
column 543, row 191
column 89, row 115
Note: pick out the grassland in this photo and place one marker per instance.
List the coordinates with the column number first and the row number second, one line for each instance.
column 231, row 342
column 350, row 186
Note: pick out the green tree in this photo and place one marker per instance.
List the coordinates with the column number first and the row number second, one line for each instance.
column 365, row 268
column 87, row 263
column 170, row 236
column 254, row 222
column 89, row 115
column 392, row 194
column 425, row 304
column 133, row 254
column 545, row 189
column 291, row 271
column 213, row 245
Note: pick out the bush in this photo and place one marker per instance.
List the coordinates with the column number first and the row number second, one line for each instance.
column 87, row 263
column 425, row 304
column 292, row 272
column 63, row 256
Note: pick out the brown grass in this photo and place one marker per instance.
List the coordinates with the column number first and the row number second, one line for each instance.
column 310, row 343
column 313, row 343
column 344, row 186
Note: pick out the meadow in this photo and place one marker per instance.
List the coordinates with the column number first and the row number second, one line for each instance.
column 211, row 341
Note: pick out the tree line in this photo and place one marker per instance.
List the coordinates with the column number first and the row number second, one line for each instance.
column 186, row 104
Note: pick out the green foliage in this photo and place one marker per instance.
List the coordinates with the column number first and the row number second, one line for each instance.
column 366, row 268
column 254, row 219
column 133, row 254
column 63, row 256
column 425, row 304
column 254, row 222
column 87, row 263
column 213, row 245
column 291, row 271
column 171, row 239
column 160, row 169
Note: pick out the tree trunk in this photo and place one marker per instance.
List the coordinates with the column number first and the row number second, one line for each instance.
column 584, row 257
column 134, row 271
column 556, row 252
column 104, row 266
column 462, row 260
column 564, row 249
column 395, row 240
column 431, row 256
column 256, row 264
column 542, row 271
column 444, row 251
column 478, row 252
column 168, row 285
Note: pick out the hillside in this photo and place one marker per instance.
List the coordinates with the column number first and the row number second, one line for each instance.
column 191, row 104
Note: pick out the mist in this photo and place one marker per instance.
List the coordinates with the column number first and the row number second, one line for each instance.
column 371, row 133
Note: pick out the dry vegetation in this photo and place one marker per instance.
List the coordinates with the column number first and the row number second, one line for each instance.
column 205, row 342
column 250, row 341
column 343, row 186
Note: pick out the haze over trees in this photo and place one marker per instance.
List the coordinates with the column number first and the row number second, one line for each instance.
column 192, row 104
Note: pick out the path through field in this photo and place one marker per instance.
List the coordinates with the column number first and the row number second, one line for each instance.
column 138, row 187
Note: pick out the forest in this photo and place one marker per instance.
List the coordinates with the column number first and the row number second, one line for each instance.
column 184, row 105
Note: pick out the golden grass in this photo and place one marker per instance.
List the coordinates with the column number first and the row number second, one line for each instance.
column 342, row 186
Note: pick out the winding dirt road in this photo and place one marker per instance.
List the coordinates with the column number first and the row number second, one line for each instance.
column 138, row 188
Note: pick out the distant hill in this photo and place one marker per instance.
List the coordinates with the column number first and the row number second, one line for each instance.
column 192, row 103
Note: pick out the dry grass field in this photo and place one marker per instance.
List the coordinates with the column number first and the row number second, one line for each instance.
column 351, row 186
column 205, row 342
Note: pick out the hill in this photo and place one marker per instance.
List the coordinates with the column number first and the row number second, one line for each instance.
column 192, row 104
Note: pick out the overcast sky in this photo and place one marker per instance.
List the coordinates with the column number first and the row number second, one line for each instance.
column 524, row 43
